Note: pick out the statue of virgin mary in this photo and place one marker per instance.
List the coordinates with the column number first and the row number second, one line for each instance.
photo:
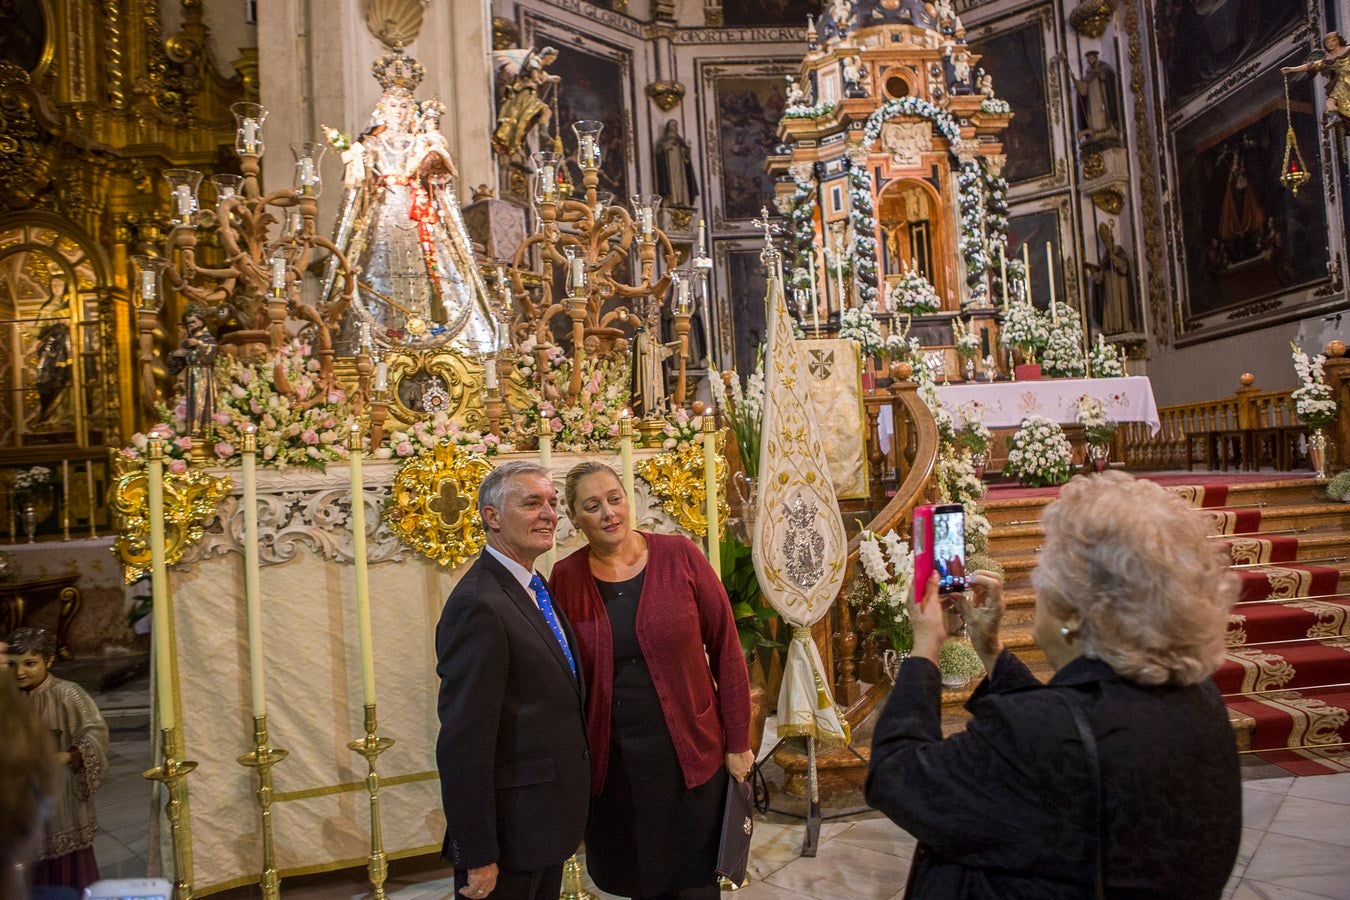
column 400, row 225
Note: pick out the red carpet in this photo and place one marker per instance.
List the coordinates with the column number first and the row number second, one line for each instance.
column 1217, row 482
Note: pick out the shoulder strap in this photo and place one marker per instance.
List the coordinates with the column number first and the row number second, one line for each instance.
column 1095, row 768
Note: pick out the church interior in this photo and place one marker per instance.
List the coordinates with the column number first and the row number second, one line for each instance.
column 281, row 283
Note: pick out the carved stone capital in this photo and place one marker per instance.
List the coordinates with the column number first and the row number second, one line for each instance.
column 666, row 94
column 1090, row 17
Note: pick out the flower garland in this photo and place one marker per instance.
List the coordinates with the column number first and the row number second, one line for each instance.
column 858, row 324
column 863, row 222
column 1063, row 357
column 808, row 111
column 913, row 294
column 801, row 215
column 1039, row 453
column 996, row 107
column 440, row 431
column 1105, row 361
column 591, row 422
column 1313, row 400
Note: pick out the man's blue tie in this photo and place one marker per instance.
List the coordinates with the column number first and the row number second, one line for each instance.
column 546, row 607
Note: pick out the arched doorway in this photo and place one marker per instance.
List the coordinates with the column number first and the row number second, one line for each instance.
column 912, row 235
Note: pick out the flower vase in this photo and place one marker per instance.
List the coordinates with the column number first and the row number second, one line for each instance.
column 970, row 369
column 1100, row 456
column 890, row 662
column 30, row 521
column 1317, row 453
column 979, row 461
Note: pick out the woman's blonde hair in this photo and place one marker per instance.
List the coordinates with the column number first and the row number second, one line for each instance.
column 1133, row 560
column 574, row 476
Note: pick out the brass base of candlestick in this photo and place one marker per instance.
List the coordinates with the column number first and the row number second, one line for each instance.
column 371, row 746
column 262, row 757
column 571, row 887
column 172, row 774
column 653, row 431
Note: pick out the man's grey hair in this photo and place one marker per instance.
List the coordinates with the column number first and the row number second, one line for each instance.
column 493, row 489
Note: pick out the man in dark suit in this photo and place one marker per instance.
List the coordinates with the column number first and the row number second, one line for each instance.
column 512, row 753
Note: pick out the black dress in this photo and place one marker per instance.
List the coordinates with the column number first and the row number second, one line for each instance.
column 648, row 835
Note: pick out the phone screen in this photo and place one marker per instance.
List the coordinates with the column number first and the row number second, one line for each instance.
column 949, row 547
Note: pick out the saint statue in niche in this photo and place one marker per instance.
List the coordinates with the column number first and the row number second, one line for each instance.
column 1098, row 103
column 1113, row 285
column 1336, row 65
column 675, row 169
column 400, row 225
column 196, row 359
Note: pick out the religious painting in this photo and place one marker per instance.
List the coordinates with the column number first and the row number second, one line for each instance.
column 1243, row 235
column 593, row 87
column 758, row 13
column 24, row 26
column 1016, row 60
column 747, row 111
column 1034, row 231
column 745, row 282
column 1201, row 41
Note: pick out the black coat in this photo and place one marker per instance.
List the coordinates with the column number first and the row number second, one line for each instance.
column 1008, row 807
column 512, row 752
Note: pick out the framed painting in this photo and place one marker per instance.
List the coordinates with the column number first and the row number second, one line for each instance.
column 1243, row 237
column 1034, row 230
column 1203, row 41
column 595, row 85
column 747, row 102
column 1016, row 60
column 743, row 281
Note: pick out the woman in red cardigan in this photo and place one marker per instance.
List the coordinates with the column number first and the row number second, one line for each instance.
column 668, row 695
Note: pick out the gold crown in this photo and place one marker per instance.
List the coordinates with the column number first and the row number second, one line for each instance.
column 398, row 71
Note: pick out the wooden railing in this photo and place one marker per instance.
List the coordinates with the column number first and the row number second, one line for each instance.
column 1249, row 407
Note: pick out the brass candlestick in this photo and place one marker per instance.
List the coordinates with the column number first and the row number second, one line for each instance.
column 371, row 746
column 572, row 888
column 262, row 757
column 172, row 773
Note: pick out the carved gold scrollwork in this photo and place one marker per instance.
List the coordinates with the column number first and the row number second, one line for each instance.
column 1090, row 17
column 190, row 500
column 434, row 507
column 677, row 480
column 666, row 94
column 426, row 383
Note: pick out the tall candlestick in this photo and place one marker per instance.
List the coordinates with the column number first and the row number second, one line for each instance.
column 252, row 600
column 93, row 505
column 1050, row 270
column 626, row 464
column 546, row 460
column 701, row 250
column 710, row 486
column 815, row 293
column 65, row 499
column 1003, row 272
column 707, row 325
column 1026, row 269
column 839, row 272
column 159, row 587
column 359, row 560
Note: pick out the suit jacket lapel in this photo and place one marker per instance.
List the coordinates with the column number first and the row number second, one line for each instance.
column 526, row 606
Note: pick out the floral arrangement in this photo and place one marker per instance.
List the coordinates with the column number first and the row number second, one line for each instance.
column 1063, row 356
column 863, row 223
column 30, row 482
column 800, row 209
column 808, row 111
column 996, row 107
column 744, row 410
column 888, row 562
column 439, row 431
column 1025, row 329
column 1105, row 360
column 974, row 436
column 1039, row 453
column 591, row 422
column 682, row 430
column 958, row 661
column 305, row 427
column 967, row 338
column 1313, row 400
column 913, row 294
column 1338, row 488
column 900, row 349
column 859, row 324
column 1091, row 415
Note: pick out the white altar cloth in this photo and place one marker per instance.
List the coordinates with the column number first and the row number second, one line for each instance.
column 1004, row 404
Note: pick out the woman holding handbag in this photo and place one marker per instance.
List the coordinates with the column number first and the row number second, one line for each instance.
column 1120, row 777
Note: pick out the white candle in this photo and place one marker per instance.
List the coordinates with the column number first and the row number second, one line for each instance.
column 707, row 326
column 159, row 589
column 381, row 376
column 307, row 178
column 362, row 575
column 1050, row 270
column 701, row 252
column 815, row 294
column 1026, row 269
column 646, row 218
column 546, row 181
column 710, row 487
column 587, row 151
column 490, row 373
column 546, row 460
column 148, row 285
column 252, row 598
column 1003, row 272
column 626, row 464
column 89, row 489
column 278, row 273
column 65, row 499
column 578, row 272
column 183, row 199
column 250, row 129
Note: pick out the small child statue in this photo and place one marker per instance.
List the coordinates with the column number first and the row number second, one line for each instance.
column 80, row 744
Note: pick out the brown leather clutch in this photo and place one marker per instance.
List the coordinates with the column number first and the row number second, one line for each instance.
column 738, row 824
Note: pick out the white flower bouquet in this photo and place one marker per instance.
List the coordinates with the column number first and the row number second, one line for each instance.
column 913, row 295
column 1091, row 415
column 1024, row 328
column 1063, row 356
column 744, row 409
column 30, row 483
column 1039, row 454
column 889, row 564
column 967, row 339
column 859, row 324
column 1313, row 400
column 1105, row 360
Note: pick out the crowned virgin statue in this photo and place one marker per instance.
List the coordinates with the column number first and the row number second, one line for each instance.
column 400, row 225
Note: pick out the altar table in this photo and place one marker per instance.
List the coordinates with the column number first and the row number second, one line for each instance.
column 1004, row 404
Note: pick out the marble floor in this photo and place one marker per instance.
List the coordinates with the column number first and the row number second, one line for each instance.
column 1295, row 839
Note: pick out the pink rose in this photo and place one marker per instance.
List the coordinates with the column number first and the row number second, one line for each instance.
column 220, row 418
column 597, row 406
column 269, row 451
column 178, row 466
column 183, row 443
column 139, row 441
column 556, row 425
column 336, row 396
column 587, row 426
column 404, row 449
column 310, row 437
column 224, row 449
column 245, row 377
column 302, row 391
column 253, row 407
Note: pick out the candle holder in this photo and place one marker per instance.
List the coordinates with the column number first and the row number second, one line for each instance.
column 172, row 773
column 263, row 757
column 572, row 888
column 370, row 747
column 709, row 433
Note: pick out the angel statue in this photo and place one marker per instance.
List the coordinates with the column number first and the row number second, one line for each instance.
column 523, row 105
column 400, row 225
column 1336, row 64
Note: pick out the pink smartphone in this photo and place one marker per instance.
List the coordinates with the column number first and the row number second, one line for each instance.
column 921, row 541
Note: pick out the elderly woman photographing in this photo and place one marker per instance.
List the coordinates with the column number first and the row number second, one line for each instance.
column 1118, row 778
